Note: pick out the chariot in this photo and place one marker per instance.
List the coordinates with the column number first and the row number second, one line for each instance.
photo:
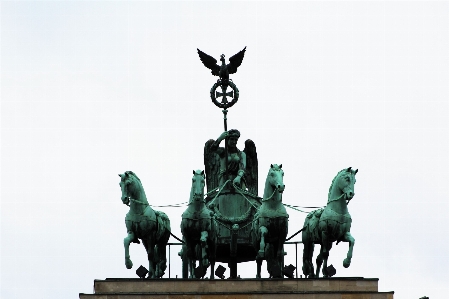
column 230, row 223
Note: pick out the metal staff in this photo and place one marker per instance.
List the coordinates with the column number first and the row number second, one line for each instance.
column 223, row 71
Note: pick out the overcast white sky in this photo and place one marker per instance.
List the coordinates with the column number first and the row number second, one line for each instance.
column 92, row 89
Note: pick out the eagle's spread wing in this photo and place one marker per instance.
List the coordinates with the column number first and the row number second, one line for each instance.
column 251, row 173
column 235, row 61
column 209, row 62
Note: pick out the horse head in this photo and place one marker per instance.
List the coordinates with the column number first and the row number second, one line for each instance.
column 198, row 183
column 344, row 184
column 128, row 186
column 276, row 177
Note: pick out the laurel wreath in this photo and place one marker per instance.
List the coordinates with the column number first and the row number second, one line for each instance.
column 232, row 220
column 224, row 105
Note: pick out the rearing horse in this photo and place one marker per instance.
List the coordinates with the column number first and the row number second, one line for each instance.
column 270, row 226
column 142, row 222
column 332, row 223
column 198, row 229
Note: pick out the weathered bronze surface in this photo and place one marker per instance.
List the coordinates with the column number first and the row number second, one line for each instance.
column 224, row 69
column 332, row 223
column 142, row 222
column 234, row 167
column 223, row 72
column 232, row 183
column 270, row 226
column 199, row 230
column 230, row 223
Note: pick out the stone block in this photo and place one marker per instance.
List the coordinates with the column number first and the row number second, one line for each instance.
column 324, row 288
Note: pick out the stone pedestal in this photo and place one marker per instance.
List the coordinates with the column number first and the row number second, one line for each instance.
column 324, row 288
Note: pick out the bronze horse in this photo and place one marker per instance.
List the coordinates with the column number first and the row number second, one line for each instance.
column 146, row 224
column 198, row 230
column 327, row 225
column 270, row 226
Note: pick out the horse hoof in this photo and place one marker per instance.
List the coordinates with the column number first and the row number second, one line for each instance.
column 346, row 263
column 128, row 263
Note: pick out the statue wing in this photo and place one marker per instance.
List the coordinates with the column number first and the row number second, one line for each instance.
column 235, row 61
column 209, row 62
column 211, row 165
column 252, row 168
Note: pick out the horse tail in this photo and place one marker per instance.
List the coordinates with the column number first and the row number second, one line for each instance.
column 163, row 228
column 311, row 228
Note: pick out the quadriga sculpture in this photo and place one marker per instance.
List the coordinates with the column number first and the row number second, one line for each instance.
column 327, row 225
column 270, row 226
column 146, row 224
column 198, row 229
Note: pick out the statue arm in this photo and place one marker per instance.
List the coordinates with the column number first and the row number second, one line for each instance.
column 216, row 145
column 242, row 165
column 242, row 168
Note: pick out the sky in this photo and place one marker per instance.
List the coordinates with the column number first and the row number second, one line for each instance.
column 93, row 89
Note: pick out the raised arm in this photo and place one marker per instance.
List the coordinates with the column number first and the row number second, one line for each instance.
column 217, row 142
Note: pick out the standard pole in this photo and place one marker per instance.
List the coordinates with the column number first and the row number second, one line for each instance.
column 225, row 112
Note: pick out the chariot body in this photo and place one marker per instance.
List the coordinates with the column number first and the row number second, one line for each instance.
column 232, row 187
column 232, row 200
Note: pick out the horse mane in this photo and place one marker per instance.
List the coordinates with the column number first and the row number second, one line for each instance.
column 274, row 168
column 199, row 172
column 133, row 175
column 333, row 181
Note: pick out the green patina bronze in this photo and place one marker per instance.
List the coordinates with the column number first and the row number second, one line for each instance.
column 231, row 223
column 142, row 222
column 223, row 71
column 199, row 231
column 332, row 223
column 232, row 183
column 230, row 166
column 270, row 225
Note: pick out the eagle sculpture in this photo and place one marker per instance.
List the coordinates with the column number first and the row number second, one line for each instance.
column 224, row 69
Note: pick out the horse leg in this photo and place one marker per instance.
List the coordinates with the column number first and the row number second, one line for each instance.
column 307, row 265
column 259, row 266
column 309, row 262
column 185, row 262
column 190, row 256
column 262, row 231
column 319, row 262
column 128, row 239
column 281, row 258
column 192, row 264
column 327, row 248
column 326, row 245
column 145, row 244
column 211, row 251
column 275, row 259
column 151, row 258
column 348, row 238
column 156, row 261
column 280, row 255
column 161, row 265
column 204, row 257
column 212, row 269
column 307, row 255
